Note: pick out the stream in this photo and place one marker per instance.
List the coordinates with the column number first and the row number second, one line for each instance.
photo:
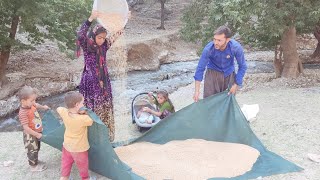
column 169, row 77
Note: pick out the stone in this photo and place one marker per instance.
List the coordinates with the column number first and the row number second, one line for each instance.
column 16, row 77
column 75, row 78
column 8, row 163
column 141, row 57
column 46, row 87
column 163, row 56
column 9, row 105
column 133, row 3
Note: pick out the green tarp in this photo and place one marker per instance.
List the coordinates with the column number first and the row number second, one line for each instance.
column 216, row 118
column 102, row 157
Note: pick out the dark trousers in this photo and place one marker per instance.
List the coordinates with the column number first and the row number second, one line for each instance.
column 215, row 82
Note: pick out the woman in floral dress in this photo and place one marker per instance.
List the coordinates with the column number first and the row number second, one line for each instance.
column 95, row 83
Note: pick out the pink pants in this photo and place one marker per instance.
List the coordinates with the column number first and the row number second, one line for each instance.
column 81, row 160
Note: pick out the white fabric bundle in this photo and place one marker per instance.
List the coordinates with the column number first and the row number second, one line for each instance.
column 250, row 111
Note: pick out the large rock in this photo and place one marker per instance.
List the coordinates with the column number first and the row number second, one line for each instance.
column 141, row 57
column 55, row 74
column 10, row 89
column 47, row 87
column 16, row 77
column 8, row 106
column 16, row 81
column 163, row 56
column 148, row 54
column 133, row 3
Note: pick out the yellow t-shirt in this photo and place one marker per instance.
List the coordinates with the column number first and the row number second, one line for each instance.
column 76, row 134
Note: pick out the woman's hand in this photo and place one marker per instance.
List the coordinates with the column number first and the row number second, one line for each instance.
column 94, row 15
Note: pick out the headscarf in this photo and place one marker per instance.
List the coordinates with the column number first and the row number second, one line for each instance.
column 98, row 50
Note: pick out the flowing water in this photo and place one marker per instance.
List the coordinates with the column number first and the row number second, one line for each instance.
column 127, row 85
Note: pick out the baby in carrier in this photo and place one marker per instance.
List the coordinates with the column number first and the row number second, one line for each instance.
column 164, row 107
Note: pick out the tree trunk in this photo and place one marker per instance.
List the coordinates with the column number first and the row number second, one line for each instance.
column 277, row 63
column 162, row 15
column 292, row 66
column 5, row 51
column 316, row 33
column 4, row 56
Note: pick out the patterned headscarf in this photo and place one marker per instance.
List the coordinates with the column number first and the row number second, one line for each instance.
column 98, row 50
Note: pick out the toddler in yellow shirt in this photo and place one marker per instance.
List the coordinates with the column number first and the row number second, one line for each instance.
column 75, row 144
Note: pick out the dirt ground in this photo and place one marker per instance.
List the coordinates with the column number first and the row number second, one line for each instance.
column 287, row 124
column 141, row 27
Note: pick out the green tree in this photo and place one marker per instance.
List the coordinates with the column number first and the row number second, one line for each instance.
column 261, row 23
column 38, row 20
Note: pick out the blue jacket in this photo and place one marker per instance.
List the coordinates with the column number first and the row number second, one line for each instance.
column 222, row 61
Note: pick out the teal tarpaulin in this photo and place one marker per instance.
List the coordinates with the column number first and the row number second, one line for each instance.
column 216, row 118
column 102, row 157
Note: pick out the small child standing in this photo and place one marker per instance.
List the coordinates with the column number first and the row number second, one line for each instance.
column 163, row 103
column 32, row 126
column 75, row 144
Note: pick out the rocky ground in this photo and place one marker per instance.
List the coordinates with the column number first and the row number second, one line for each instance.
column 287, row 124
column 143, row 47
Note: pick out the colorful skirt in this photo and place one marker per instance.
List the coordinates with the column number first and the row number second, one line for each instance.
column 98, row 100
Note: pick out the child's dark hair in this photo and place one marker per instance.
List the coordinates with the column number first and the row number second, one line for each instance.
column 26, row 91
column 72, row 98
column 165, row 94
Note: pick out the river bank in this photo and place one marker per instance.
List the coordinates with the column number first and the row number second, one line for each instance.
column 287, row 124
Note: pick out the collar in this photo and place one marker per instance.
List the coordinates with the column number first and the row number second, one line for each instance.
column 26, row 107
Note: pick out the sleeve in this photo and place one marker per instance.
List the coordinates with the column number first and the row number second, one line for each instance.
column 23, row 117
column 165, row 106
column 87, row 121
column 242, row 65
column 82, row 33
column 113, row 38
column 203, row 62
column 62, row 111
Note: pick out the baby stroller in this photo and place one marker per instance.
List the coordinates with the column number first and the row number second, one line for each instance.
column 139, row 101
